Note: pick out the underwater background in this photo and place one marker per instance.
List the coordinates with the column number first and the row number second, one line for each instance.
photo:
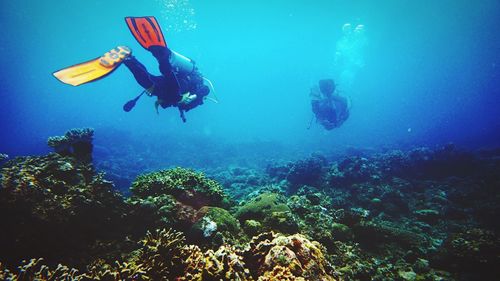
column 430, row 71
column 422, row 79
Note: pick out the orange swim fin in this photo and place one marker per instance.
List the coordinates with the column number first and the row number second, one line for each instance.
column 93, row 69
column 146, row 31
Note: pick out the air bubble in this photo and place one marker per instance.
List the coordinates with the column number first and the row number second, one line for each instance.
column 179, row 15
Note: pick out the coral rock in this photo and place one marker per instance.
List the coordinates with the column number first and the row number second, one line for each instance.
column 300, row 257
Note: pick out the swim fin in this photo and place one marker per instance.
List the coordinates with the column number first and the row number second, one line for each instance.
column 146, row 31
column 93, row 69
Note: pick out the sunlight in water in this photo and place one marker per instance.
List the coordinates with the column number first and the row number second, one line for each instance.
column 179, row 15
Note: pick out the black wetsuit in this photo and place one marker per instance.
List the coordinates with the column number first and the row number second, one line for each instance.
column 170, row 86
column 331, row 111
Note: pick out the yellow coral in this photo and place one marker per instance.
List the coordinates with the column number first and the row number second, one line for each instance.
column 280, row 273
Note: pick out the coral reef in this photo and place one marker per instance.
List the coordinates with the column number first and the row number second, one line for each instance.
column 215, row 226
column 173, row 198
column 397, row 204
column 273, row 256
column 240, row 181
column 299, row 173
column 419, row 163
column 471, row 250
column 75, row 142
column 187, row 186
column 35, row 269
column 270, row 211
column 163, row 255
column 160, row 254
column 417, row 215
column 3, row 157
column 62, row 202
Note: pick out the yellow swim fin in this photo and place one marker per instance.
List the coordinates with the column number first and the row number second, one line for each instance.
column 94, row 69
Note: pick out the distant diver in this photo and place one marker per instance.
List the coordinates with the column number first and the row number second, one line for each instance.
column 181, row 85
column 331, row 110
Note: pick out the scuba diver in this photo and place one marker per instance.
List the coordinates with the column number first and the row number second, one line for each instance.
column 180, row 84
column 331, row 110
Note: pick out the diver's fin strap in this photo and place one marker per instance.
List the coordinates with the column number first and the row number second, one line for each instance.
column 146, row 31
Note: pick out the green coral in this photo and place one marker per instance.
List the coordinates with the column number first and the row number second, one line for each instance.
column 378, row 232
column 224, row 220
column 322, row 227
column 428, row 215
column 187, row 186
column 271, row 211
column 225, row 228
column 252, row 227
column 153, row 212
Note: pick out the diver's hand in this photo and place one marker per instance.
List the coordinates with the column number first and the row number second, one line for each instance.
column 187, row 98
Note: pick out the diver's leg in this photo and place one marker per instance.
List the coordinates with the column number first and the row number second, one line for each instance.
column 162, row 55
column 141, row 74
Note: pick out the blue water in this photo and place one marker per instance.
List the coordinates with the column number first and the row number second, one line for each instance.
column 430, row 73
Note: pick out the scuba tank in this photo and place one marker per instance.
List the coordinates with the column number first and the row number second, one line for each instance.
column 181, row 64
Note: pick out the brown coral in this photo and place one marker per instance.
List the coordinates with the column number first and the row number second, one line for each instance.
column 159, row 253
column 165, row 256
column 280, row 273
column 300, row 257
column 223, row 264
column 226, row 264
column 121, row 271
column 36, row 270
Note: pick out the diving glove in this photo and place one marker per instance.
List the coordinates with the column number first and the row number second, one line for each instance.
column 187, row 98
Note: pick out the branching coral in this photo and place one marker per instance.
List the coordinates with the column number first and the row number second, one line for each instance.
column 35, row 269
column 159, row 255
column 225, row 264
column 164, row 256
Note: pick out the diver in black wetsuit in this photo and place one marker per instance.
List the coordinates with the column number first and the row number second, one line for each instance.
column 331, row 110
column 178, row 86
column 181, row 85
